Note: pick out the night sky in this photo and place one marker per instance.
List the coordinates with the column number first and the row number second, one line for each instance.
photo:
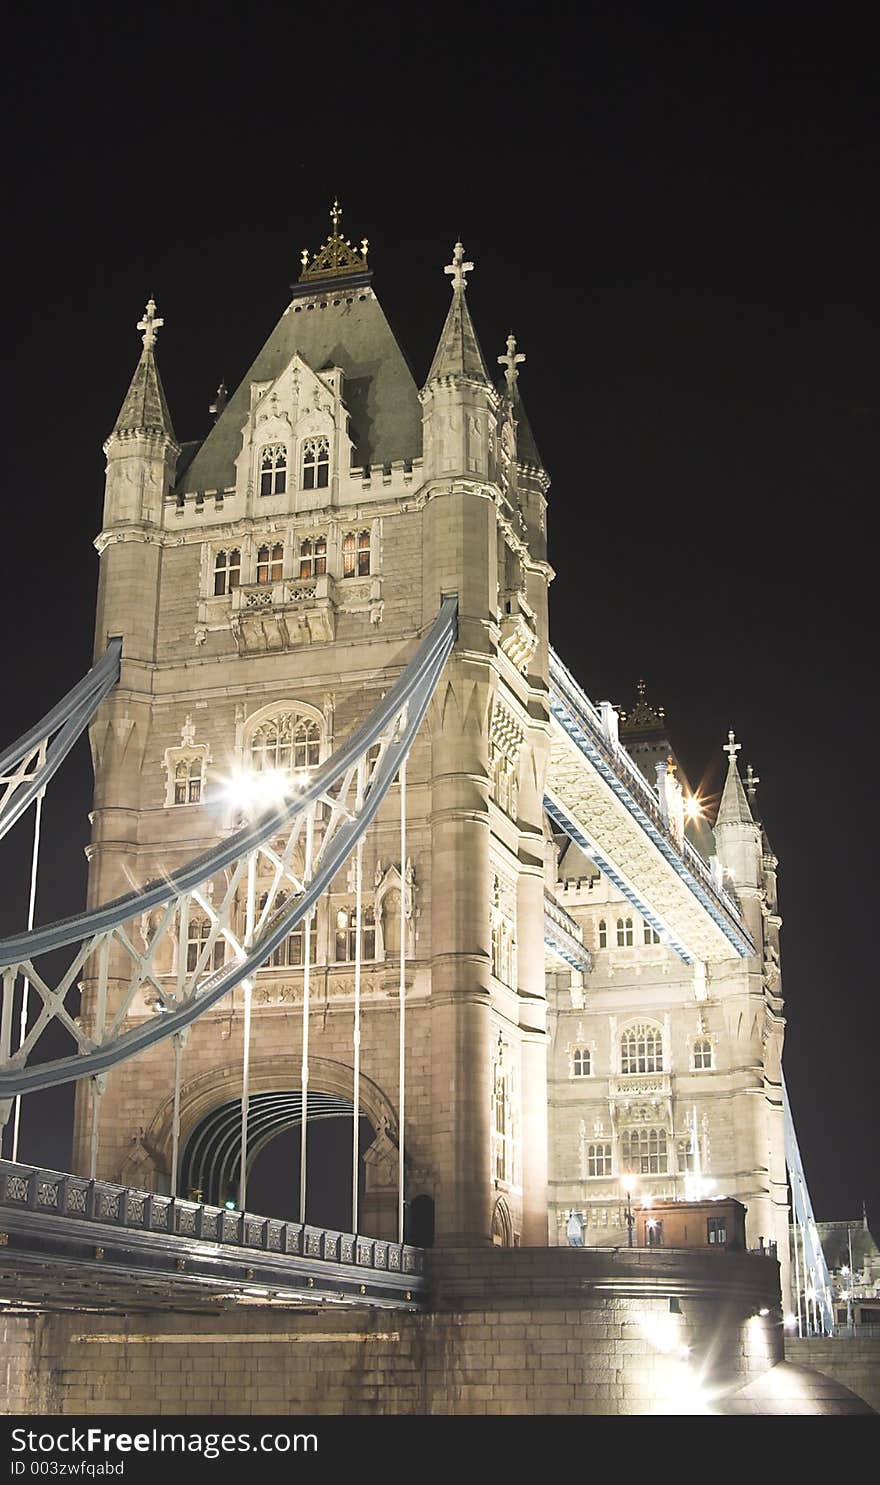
column 675, row 209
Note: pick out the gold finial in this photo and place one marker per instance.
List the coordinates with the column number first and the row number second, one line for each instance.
column 337, row 257
column 458, row 268
column 150, row 324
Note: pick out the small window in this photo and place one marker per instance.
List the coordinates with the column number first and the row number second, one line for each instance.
column 316, row 464
column 599, row 1160
column 198, row 933
column 654, row 1233
column 716, row 1231
column 651, row 935
column 270, row 563
column 188, row 781
column 313, row 557
column 356, row 554
column 346, row 935
column 624, row 933
column 290, row 952
column 227, row 572
column 603, row 934
column 581, row 1066
column 702, row 1054
column 273, row 469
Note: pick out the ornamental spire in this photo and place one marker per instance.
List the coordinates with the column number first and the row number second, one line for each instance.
column 150, row 324
column 458, row 268
column 734, row 807
column 145, row 409
column 337, row 257
column 510, row 361
column 458, row 351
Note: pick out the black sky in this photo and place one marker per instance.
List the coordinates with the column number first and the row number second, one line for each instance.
column 674, row 207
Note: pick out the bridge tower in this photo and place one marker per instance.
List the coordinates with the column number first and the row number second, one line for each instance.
column 269, row 584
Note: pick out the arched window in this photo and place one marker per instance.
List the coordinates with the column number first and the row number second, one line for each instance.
column 581, row 1062
column 356, row 554
column 197, row 935
column 188, row 781
column 270, row 563
column 603, row 934
column 316, row 464
column 290, row 953
column 624, row 933
column 346, row 935
column 645, row 1152
column 287, row 742
column 273, row 469
column 686, row 1161
column 227, row 572
column 651, row 935
column 599, row 1160
column 641, row 1050
column 702, row 1054
column 313, row 557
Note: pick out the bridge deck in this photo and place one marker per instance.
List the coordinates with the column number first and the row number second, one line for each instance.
column 70, row 1243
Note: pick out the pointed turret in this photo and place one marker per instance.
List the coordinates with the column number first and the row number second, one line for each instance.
column 734, row 807
column 145, row 409
column 458, row 351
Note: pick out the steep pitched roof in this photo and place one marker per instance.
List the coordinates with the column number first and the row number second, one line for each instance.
column 337, row 325
column 145, row 408
column 734, row 807
column 458, row 350
column 526, row 448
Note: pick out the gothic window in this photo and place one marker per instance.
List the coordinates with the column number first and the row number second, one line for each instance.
column 599, row 1160
column 624, row 933
column 316, row 464
column 505, row 785
column 581, row 1062
column 198, row 933
column 702, row 1054
column 651, row 935
column 502, row 935
column 603, row 934
column 188, row 780
column 313, row 557
column 504, row 1120
column 273, row 469
column 270, row 563
column 645, row 1152
column 290, row 953
column 346, row 935
column 641, row 1050
column 686, row 1160
column 227, row 572
column 288, row 742
column 356, row 554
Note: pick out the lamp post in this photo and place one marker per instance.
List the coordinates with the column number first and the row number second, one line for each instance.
column 628, row 1183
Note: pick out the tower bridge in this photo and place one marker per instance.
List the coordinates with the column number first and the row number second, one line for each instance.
column 363, row 849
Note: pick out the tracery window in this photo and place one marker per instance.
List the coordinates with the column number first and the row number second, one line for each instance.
column 290, row 953
column 581, row 1062
column 603, row 934
column 313, row 557
column 188, row 780
column 227, row 571
column 197, row 935
column 651, row 935
column 599, row 1160
column 644, row 1151
column 287, row 742
column 505, row 1118
column 356, row 554
column 641, row 1050
column 702, row 1054
column 346, row 934
column 273, row 469
column 685, row 1157
column 316, row 464
column 624, row 933
column 270, row 563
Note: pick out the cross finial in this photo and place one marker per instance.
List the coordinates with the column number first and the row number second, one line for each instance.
column 150, row 324
column 510, row 361
column 732, row 747
column 458, row 268
column 642, row 690
column 752, row 782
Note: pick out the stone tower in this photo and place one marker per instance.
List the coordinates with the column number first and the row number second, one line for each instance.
column 269, row 584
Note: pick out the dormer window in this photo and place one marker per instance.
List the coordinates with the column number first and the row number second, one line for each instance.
column 313, row 557
column 273, row 469
column 316, row 464
column 356, row 554
column 270, row 563
column 227, row 572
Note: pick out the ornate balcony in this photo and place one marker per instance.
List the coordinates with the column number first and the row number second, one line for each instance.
column 519, row 629
column 283, row 614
